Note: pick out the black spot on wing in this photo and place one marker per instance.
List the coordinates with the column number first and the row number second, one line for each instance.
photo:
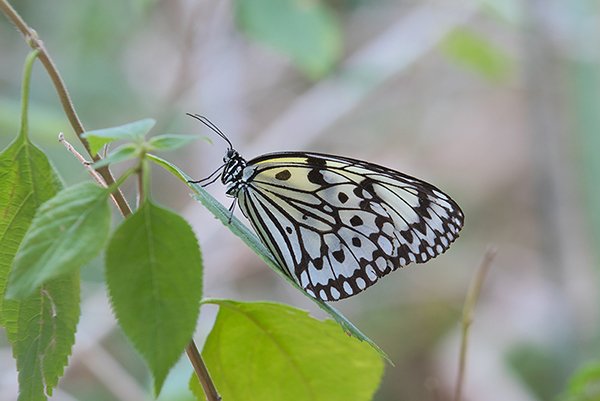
column 356, row 221
column 339, row 255
column 283, row 175
column 315, row 176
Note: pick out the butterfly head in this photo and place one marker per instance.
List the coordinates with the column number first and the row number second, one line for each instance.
column 233, row 164
column 233, row 172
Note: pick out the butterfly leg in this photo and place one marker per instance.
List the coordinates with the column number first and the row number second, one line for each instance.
column 231, row 210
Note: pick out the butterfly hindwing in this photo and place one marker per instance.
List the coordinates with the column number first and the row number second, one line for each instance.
column 337, row 224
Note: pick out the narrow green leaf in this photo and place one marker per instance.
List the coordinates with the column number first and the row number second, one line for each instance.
column 124, row 152
column 474, row 52
column 134, row 131
column 67, row 232
column 267, row 351
column 251, row 240
column 306, row 31
column 154, row 277
column 171, row 141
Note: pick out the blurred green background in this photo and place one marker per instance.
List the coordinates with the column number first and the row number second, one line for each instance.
column 495, row 101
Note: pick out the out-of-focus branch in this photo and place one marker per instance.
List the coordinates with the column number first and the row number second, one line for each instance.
column 467, row 317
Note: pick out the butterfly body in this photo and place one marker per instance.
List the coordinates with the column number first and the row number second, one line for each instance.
column 336, row 225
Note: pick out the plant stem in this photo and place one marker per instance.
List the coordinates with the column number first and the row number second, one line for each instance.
column 467, row 317
column 35, row 43
column 23, row 131
column 202, row 372
column 143, row 179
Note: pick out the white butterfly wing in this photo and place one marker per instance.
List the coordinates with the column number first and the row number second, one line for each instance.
column 336, row 224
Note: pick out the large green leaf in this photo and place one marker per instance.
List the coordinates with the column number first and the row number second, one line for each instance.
column 67, row 232
column 40, row 328
column 154, row 277
column 304, row 30
column 250, row 239
column 271, row 352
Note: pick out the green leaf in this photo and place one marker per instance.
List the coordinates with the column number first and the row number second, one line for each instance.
column 304, row 30
column 267, row 351
column 134, row 131
column 154, row 277
column 40, row 328
column 585, row 384
column 170, row 141
column 67, row 232
column 252, row 241
column 26, row 180
column 124, row 152
column 474, row 52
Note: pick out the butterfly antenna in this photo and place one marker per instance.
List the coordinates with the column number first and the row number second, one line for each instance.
column 212, row 126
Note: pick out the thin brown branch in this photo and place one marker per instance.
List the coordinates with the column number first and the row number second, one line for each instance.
column 86, row 164
column 467, row 317
column 202, row 372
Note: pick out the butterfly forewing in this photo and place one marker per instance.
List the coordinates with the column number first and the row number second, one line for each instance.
column 336, row 224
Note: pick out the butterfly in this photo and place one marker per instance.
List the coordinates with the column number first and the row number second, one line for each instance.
column 336, row 225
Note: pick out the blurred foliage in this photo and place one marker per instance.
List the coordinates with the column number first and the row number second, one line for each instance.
column 586, row 100
column 304, row 30
column 474, row 52
column 584, row 384
column 543, row 369
column 414, row 330
column 508, row 10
